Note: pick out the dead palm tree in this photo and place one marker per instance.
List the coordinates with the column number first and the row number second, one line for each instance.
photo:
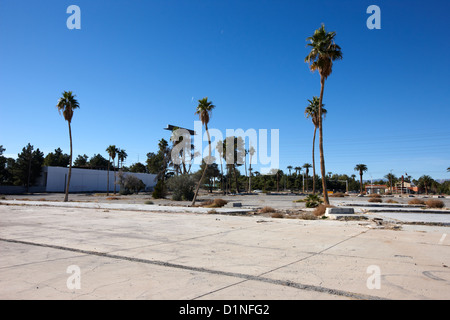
column 312, row 111
column 323, row 52
column 204, row 110
column 361, row 168
column 66, row 105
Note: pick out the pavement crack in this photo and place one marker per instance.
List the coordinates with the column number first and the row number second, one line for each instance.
column 245, row 277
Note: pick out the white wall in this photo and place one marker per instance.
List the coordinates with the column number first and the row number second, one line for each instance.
column 86, row 180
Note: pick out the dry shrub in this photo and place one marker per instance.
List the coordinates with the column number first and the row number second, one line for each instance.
column 277, row 215
column 337, row 195
column 307, row 216
column 267, row 210
column 375, row 199
column 217, row 203
column 320, row 210
column 435, row 204
column 416, row 201
column 112, row 198
column 391, row 201
column 375, row 195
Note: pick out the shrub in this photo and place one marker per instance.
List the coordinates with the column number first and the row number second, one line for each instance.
column 267, row 210
column 307, row 216
column 391, row 201
column 416, row 201
column 160, row 190
column 337, row 195
column 129, row 183
column 182, row 187
column 375, row 195
column 435, row 204
column 218, row 203
column 277, row 215
column 375, row 199
column 313, row 200
column 148, row 202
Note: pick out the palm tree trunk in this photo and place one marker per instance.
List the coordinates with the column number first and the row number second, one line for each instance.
column 322, row 158
column 206, row 167
column 314, row 162
column 66, row 196
column 360, row 183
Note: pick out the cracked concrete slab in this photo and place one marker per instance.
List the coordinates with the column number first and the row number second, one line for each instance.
column 125, row 254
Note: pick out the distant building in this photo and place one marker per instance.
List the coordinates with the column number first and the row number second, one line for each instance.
column 54, row 179
column 376, row 188
column 405, row 187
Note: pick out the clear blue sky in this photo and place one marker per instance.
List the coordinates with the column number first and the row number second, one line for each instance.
column 138, row 65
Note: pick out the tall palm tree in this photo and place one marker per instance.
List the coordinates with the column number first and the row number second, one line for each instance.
column 307, row 166
column 312, row 111
column 121, row 156
column 66, row 105
column 361, row 168
column 112, row 151
column 392, row 179
column 323, row 52
column 289, row 168
column 204, row 110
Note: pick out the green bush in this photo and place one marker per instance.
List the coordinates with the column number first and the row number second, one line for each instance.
column 312, row 201
column 182, row 187
column 160, row 190
column 129, row 183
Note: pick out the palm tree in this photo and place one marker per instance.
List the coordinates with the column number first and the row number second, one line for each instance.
column 112, row 151
column 298, row 171
column 361, row 168
column 307, row 166
column 204, row 110
column 323, row 52
column 67, row 104
column 392, row 179
column 425, row 182
column 121, row 156
column 289, row 168
column 312, row 111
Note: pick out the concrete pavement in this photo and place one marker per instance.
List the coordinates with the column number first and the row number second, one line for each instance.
column 125, row 254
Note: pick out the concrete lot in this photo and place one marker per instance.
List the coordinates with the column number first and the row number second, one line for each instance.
column 125, row 254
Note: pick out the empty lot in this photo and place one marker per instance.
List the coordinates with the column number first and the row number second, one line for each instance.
column 153, row 255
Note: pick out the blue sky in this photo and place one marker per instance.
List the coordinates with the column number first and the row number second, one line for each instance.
column 138, row 65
